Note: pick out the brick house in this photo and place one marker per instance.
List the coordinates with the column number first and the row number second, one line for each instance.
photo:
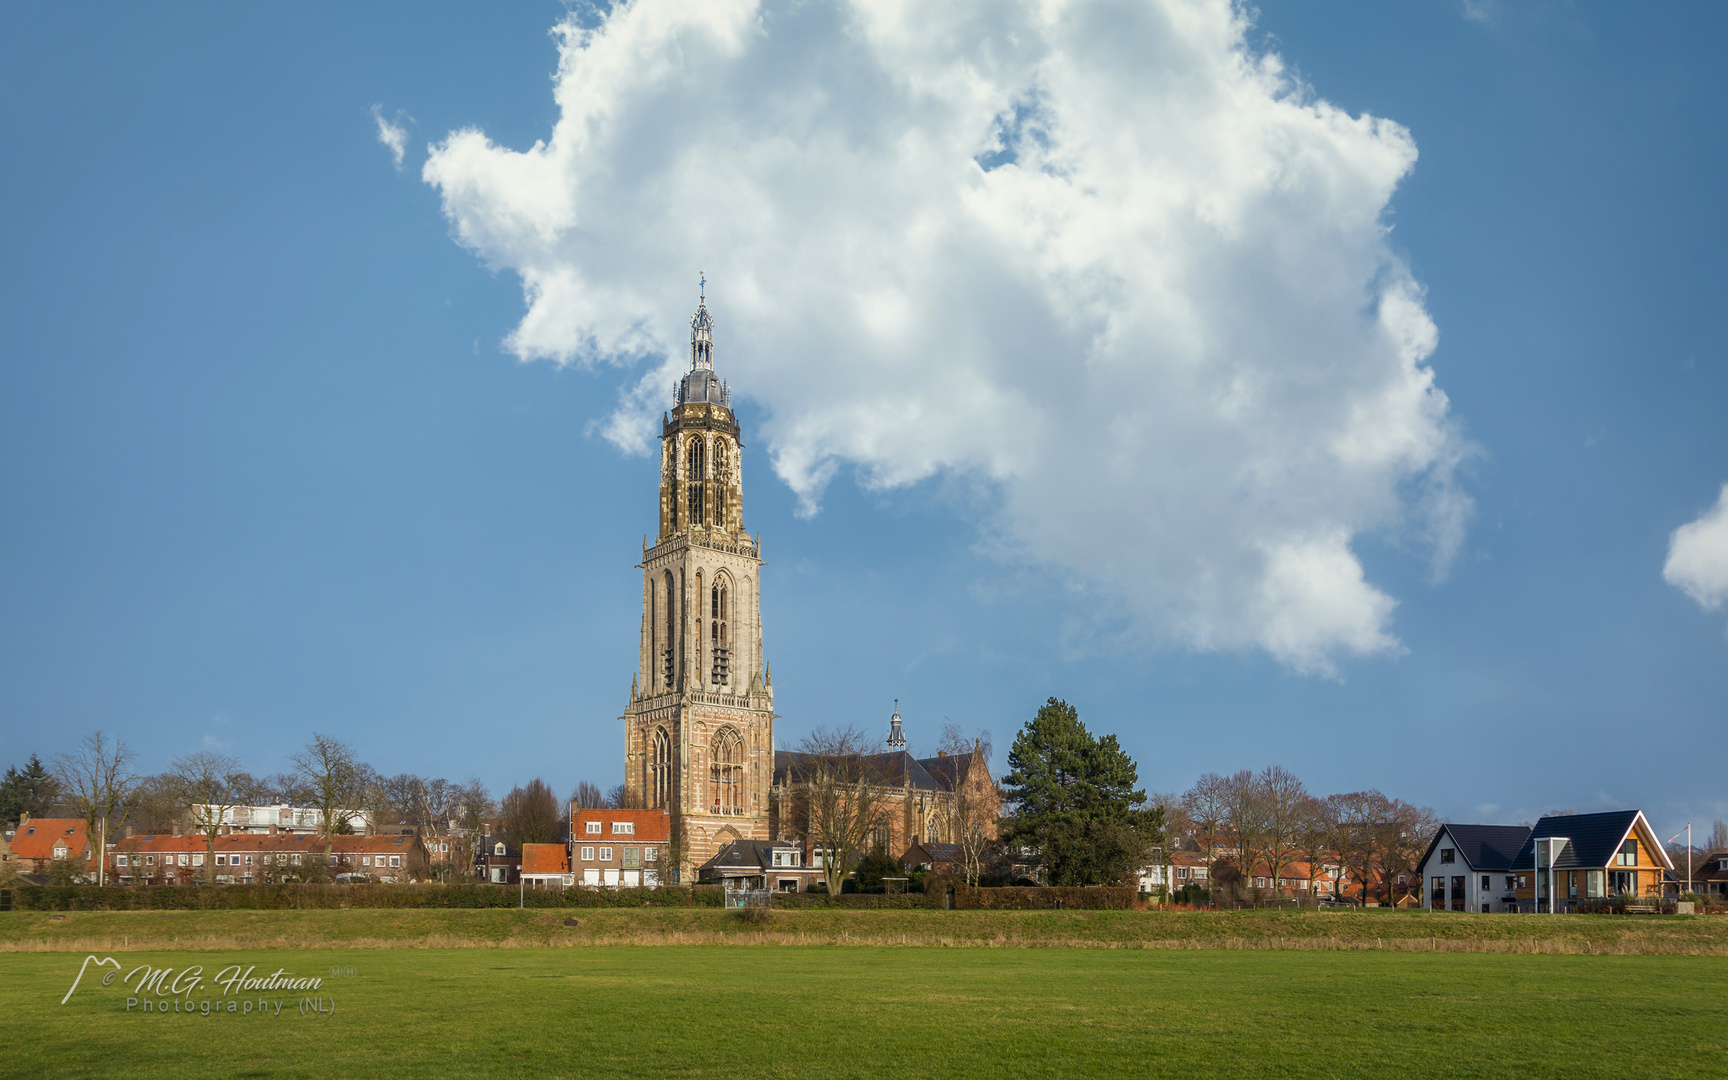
column 620, row 848
column 497, row 860
column 760, row 864
column 40, row 841
column 246, row 858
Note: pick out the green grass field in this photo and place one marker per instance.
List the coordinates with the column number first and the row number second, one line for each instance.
column 875, row 1011
column 421, row 928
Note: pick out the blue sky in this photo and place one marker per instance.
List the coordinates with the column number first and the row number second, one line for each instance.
column 282, row 449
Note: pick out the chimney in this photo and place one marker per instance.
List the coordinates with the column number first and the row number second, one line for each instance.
column 369, row 829
column 23, row 820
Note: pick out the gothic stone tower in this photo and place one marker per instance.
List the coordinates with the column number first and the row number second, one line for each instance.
column 699, row 730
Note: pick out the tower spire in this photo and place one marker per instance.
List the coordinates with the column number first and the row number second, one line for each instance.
column 896, row 737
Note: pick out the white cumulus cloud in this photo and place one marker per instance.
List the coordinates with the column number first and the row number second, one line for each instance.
column 1100, row 256
column 394, row 136
column 1698, row 556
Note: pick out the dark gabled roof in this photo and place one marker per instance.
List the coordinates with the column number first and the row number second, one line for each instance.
column 937, row 852
column 948, row 770
column 895, row 768
column 1594, row 838
column 748, row 855
column 1482, row 847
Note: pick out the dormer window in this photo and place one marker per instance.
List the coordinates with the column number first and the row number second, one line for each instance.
column 497, row 849
column 593, row 828
column 623, row 828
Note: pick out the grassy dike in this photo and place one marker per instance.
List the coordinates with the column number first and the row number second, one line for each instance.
column 1400, row 931
column 701, row 1011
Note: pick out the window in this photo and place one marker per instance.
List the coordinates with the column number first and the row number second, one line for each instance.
column 720, row 482
column 605, row 854
column 183, row 860
column 1487, row 883
column 1623, row 881
column 149, row 860
column 719, row 638
column 497, row 849
column 727, row 772
column 1628, row 854
column 395, row 860
column 442, row 848
column 651, row 854
column 296, row 858
column 1593, row 885
column 587, row 854
column 632, row 858
column 198, row 859
column 623, row 828
column 248, row 860
column 119, row 860
column 365, row 860
column 659, row 769
column 695, row 471
column 593, row 828
column 1447, row 854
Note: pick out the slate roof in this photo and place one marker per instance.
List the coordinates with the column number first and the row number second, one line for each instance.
column 749, row 857
column 896, row 768
column 1483, row 847
column 948, row 770
column 1594, row 838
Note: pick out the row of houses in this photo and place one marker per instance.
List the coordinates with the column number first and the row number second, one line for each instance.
column 234, row 856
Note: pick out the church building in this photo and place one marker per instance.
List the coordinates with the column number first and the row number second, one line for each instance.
column 699, row 728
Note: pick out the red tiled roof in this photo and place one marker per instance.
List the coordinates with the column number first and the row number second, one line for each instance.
column 36, row 838
column 545, row 859
column 243, row 842
column 652, row 826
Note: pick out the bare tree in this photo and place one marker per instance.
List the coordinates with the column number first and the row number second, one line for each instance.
column 1246, row 819
column 1404, row 838
column 835, row 798
column 1359, row 832
column 209, row 787
column 471, row 805
column 332, row 776
column 98, row 781
column 1315, row 832
column 1281, row 797
column 971, row 809
column 1206, row 806
column 529, row 815
column 620, row 798
column 589, row 797
column 1718, row 840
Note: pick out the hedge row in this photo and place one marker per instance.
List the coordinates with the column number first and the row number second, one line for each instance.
column 284, row 897
column 1029, row 897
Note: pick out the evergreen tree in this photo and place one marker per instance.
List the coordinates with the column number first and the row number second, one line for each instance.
column 1075, row 801
column 26, row 791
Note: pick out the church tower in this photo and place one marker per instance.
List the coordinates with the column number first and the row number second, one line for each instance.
column 699, row 729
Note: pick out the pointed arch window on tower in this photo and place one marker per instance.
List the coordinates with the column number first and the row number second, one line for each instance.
column 726, row 773
column 668, row 653
column 721, row 476
column 660, row 770
column 719, row 633
column 695, row 471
